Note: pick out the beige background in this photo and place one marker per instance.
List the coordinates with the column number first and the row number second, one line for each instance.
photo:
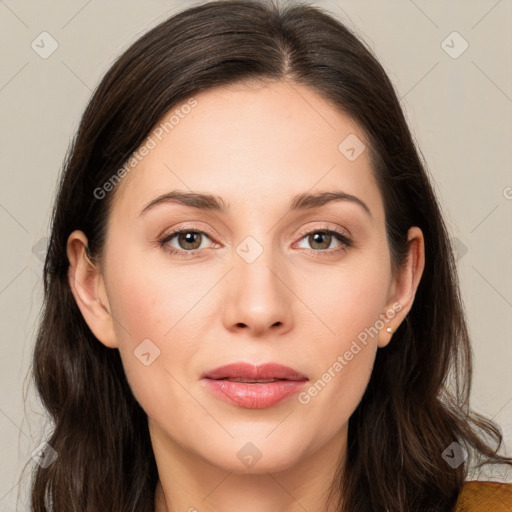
column 459, row 110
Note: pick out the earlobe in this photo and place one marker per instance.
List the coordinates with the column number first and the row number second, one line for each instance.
column 87, row 286
column 405, row 285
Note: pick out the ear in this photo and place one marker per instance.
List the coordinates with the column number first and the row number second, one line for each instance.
column 88, row 288
column 404, row 285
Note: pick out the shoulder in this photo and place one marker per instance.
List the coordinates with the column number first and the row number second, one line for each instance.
column 480, row 496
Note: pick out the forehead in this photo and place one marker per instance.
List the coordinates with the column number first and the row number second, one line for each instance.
column 251, row 143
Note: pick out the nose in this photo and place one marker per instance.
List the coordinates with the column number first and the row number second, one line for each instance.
column 258, row 297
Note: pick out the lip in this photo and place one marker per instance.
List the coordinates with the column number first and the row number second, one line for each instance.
column 241, row 370
column 254, row 395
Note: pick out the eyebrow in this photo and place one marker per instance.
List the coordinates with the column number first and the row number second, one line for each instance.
column 215, row 203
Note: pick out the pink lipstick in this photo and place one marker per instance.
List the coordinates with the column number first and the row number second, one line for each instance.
column 254, row 387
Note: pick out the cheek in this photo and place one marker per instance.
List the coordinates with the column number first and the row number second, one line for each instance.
column 346, row 300
column 346, row 342
column 155, row 314
column 343, row 370
column 150, row 344
column 152, row 301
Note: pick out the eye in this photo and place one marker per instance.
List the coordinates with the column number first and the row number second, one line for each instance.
column 188, row 240
column 320, row 240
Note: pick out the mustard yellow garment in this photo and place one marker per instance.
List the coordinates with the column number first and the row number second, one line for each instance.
column 480, row 496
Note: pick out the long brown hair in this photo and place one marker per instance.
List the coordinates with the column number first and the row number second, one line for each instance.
column 416, row 403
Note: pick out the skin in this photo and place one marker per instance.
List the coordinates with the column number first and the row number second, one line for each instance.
column 256, row 147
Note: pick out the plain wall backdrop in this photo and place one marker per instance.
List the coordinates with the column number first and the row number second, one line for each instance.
column 450, row 63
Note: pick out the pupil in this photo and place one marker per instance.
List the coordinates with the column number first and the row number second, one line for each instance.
column 319, row 240
column 187, row 239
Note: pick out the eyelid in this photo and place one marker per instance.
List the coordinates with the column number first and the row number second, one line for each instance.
column 186, row 227
column 345, row 240
column 345, row 237
column 341, row 231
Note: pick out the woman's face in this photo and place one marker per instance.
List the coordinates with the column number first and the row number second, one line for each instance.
column 254, row 282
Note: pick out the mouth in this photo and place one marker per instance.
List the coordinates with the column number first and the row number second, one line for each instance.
column 254, row 387
column 252, row 381
column 245, row 372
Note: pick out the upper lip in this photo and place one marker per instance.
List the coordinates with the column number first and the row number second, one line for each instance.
column 241, row 370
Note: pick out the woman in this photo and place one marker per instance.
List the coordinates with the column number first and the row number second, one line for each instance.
column 251, row 300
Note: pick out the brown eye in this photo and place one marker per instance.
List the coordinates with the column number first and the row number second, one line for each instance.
column 320, row 240
column 189, row 240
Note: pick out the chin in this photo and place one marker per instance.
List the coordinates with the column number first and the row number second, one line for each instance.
column 256, row 455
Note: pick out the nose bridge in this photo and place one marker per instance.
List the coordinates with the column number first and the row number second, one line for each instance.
column 258, row 296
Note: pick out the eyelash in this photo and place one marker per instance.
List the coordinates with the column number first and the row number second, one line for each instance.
column 346, row 243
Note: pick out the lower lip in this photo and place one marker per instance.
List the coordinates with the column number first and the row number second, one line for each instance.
column 255, row 395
